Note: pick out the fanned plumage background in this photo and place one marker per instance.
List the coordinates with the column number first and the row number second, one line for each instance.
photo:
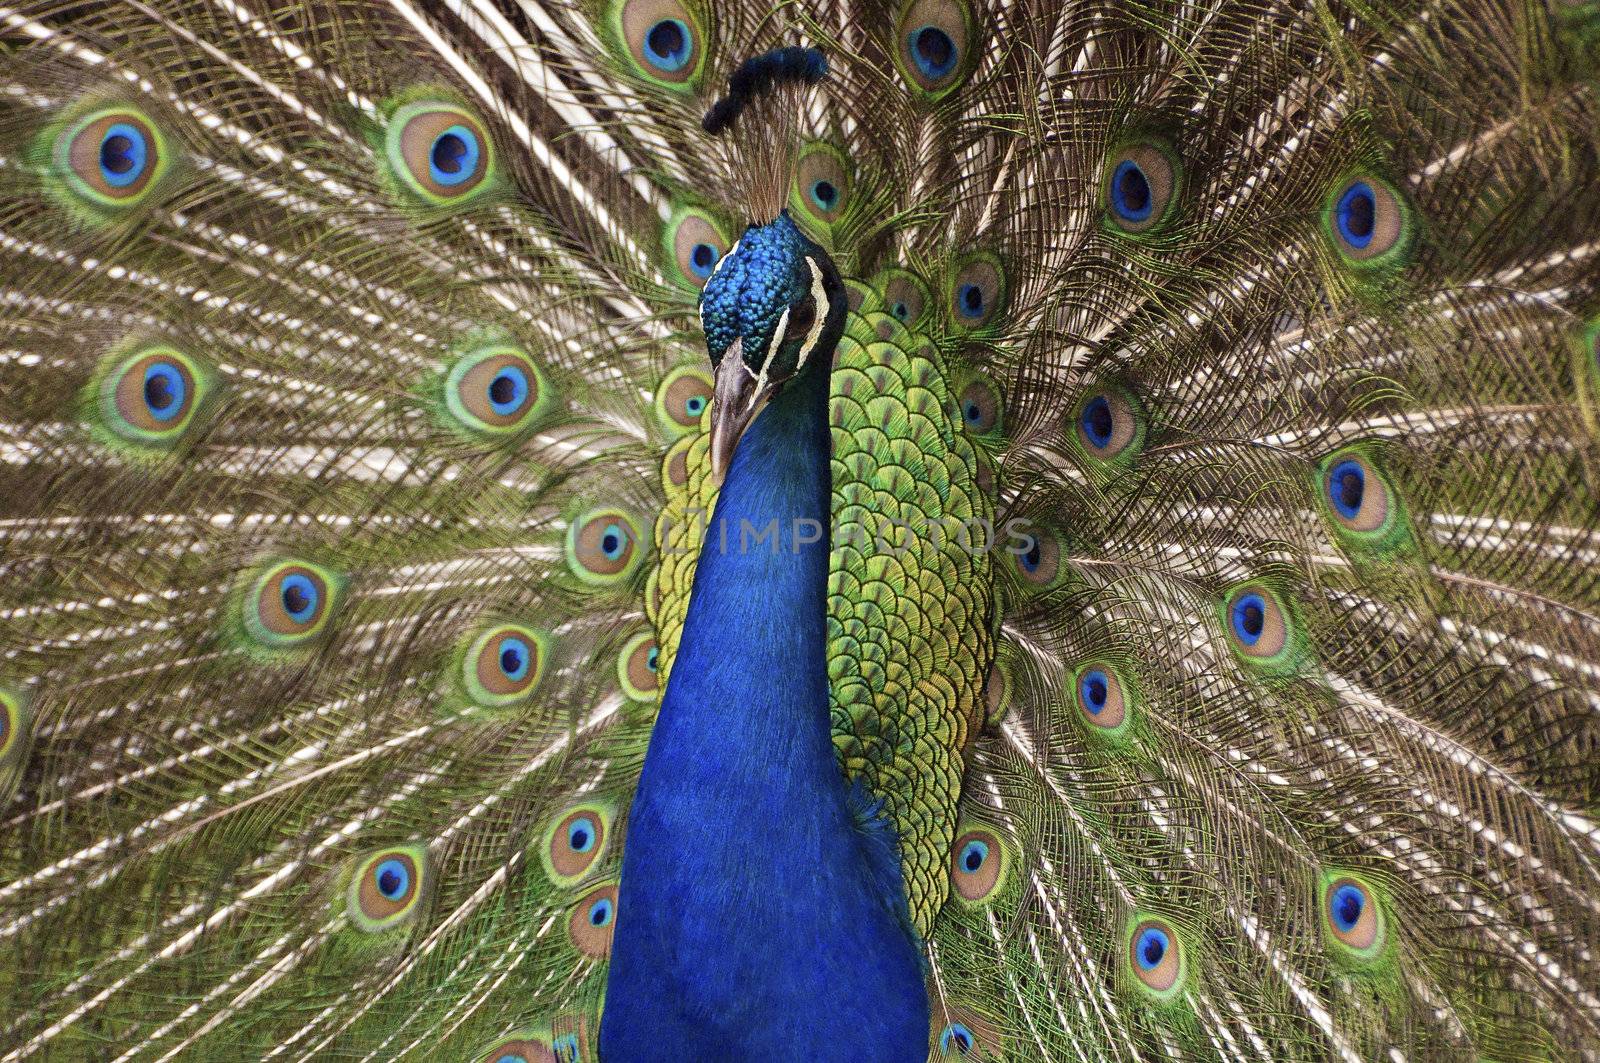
column 196, row 791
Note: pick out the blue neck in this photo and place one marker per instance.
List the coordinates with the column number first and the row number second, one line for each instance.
column 755, row 909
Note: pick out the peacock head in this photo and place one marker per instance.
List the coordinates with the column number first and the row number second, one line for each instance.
column 773, row 312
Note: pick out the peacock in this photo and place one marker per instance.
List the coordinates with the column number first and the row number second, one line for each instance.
column 541, row 531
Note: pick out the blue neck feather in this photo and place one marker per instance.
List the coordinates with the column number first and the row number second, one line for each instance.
column 759, row 917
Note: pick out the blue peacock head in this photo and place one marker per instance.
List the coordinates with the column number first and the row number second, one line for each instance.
column 773, row 308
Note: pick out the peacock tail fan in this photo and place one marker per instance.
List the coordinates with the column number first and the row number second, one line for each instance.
column 1213, row 609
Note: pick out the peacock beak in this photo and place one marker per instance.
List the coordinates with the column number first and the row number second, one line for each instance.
column 736, row 400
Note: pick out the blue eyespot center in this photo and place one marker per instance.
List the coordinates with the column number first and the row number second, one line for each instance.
column 899, row 311
column 969, row 300
column 1130, row 192
column 971, row 413
column 1151, row 947
column 695, row 406
column 933, row 51
column 1097, row 421
column 702, row 257
column 515, row 658
column 299, row 596
column 1031, row 557
column 1356, row 214
column 1345, row 905
column 164, row 391
column 955, row 1037
column 824, row 193
column 1347, row 485
column 124, row 153
column 580, row 836
column 613, row 540
column 392, row 878
column 1249, row 618
column 600, row 912
column 1095, row 689
column 973, row 854
column 508, row 390
column 652, row 660
column 454, row 156
column 666, row 44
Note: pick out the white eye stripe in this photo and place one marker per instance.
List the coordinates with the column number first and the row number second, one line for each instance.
column 819, row 300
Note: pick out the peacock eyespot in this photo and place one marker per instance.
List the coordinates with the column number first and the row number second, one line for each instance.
column 904, row 294
column 590, row 923
column 603, row 547
column 1036, row 554
column 976, row 293
column 150, row 398
column 496, row 392
column 1108, row 425
column 518, row 1049
column 13, row 724
column 682, row 399
column 639, row 667
column 956, row 1040
column 441, row 152
column 1367, row 221
column 576, row 841
column 934, row 48
column 1258, row 625
column 1101, row 698
column 664, row 40
column 1352, row 916
column 978, row 405
column 1356, row 495
column 1155, row 957
column 504, row 664
column 112, row 159
column 694, row 245
column 1141, row 187
column 976, row 864
column 385, row 888
column 290, row 604
column 822, row 183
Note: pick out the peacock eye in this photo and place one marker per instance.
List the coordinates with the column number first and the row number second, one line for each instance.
column 935, row 37
column 1108, row 425
column 13, row 723
column 904, row 294
column 439, row 151
column 694, row 246
column 822, row 182
column 663, row 39
column 290, row 604
column 1358, row 498
column 956, row 1040
column 504, row 664
column 111, row 159
column 682, row 398
column 1156, row 957
column 1140, row 189
column 1037, row 556
column 517, row 1049
column 576, row 842
column 385, row 888
column 976, row 292
column 496, row 392
column 1257, row 624
column 979, row 407
column 1351, row 915
column 975, row 865
column 589, row 925
column 637, row 668
column 1100, row 698
column 602, row 547
column 149, row 398
column 1367, row 221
